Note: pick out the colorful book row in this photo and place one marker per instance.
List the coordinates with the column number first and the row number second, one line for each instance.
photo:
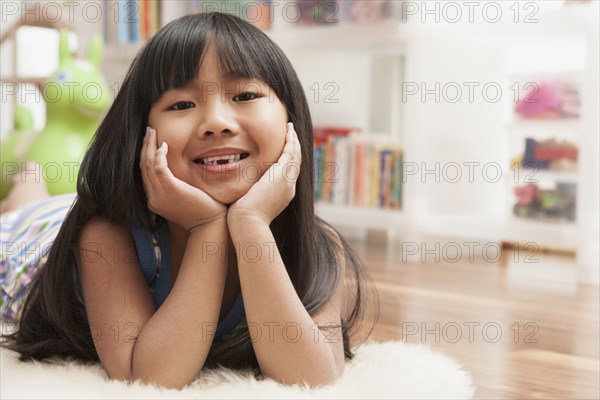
column 357, row 170
column 130, row 21
column 256, row 12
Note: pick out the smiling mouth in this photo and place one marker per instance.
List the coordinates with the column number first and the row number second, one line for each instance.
column 220, row 160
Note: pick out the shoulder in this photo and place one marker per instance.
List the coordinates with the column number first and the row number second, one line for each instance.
column 98, row 227
column 100, row 234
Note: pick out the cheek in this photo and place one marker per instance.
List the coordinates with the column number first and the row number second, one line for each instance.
column 152, row 119
column 280, row 139
column 161, row 123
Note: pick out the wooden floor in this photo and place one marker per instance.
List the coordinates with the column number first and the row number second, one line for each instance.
column 523, row 328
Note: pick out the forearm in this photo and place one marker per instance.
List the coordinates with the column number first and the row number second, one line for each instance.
column 287, row 343
column 173, row 345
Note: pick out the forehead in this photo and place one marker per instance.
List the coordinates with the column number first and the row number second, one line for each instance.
column 210, row 71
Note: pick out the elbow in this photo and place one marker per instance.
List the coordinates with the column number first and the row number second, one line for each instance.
column 325, row 376
column 156, row 374
column 318, row 379
column 325, row 379
column 162, row 377
column 163, row 382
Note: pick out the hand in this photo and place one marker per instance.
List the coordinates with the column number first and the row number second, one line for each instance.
column 268, row 197
column 170, row 197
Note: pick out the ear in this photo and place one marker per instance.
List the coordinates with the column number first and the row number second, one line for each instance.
column 95, row 50
column 64, row 55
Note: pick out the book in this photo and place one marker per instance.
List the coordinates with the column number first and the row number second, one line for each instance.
column 355, row 169
column 122, row 24
column 318, row 12
column 256, row 12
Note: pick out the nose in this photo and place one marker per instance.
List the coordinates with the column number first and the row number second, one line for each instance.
column 217, row 119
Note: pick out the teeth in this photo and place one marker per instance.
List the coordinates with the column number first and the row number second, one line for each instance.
column 214, row 160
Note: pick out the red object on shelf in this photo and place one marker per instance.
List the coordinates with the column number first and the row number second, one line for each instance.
column 550, row 100
column 320, row 133
column 544, row 153
column 526, row 194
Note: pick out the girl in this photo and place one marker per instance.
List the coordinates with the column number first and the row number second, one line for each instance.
column 192, row 241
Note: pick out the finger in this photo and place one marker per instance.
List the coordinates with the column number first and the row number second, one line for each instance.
column 143, row 151
column 161, row 169
column 144, row 161
column 161, row 166
column 287, row 155
column 289, row 162
column 292, row 146
column 297, row 147
column 151, row 148
column 297, row 153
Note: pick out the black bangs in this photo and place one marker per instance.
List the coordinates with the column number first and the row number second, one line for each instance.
column 172, row 58
column 246, row 52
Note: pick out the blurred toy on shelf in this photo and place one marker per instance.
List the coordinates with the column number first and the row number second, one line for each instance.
column 553, row 155
column 369, row 11
column 318, row 12
column 257, row 13
column 14, row 147
column 550, row 100
column 554, row 205
column 76, row 95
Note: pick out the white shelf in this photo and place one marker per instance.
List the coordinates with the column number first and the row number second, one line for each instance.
column 561, row 235
column 547, row 125
column 544, row 233
column 360, row 217
column 529, row 176
column 386, row 35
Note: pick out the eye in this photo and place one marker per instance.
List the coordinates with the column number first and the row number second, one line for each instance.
column 182, row 105
column 247, row 96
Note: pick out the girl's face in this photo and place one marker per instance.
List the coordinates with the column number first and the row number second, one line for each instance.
column 216, row 112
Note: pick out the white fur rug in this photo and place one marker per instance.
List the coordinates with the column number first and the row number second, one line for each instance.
column 380, row 370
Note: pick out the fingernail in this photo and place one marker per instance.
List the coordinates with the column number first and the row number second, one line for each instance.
column 147, row 130
column 161, row 145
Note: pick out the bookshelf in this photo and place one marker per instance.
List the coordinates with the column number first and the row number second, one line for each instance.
column 563, row 45
column 359, row 59
column 544, row 144
column 564, row 181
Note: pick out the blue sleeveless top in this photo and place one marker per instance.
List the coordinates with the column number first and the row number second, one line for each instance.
column 153, row 252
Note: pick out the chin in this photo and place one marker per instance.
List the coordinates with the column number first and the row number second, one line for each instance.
column 226, row 195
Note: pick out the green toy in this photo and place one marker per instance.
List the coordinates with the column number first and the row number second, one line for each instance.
column 76, row 95
column 11, row 148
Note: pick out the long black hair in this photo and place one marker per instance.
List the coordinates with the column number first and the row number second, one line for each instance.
column 110, row 185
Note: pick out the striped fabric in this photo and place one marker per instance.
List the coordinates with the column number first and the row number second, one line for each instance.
column 26, row 236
